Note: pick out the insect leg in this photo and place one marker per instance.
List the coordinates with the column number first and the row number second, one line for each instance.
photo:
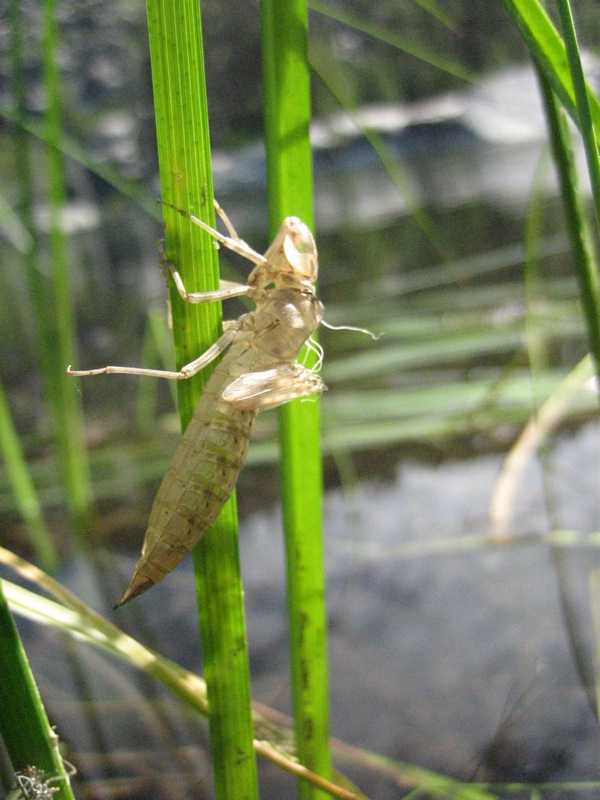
column 232, row 243
column 228, row 224
column 227, row 289
column 185, row 372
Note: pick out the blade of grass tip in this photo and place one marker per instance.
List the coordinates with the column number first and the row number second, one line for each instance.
column 286, row 85
column 65, row 402
column 582, row 102
column 23, row 488
column 185, row 171
column 579, row 234
column 24, row 726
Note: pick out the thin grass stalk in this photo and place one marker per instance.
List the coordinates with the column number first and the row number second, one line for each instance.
column 286, row 84
column 23, row 488
column 128, row 188
column 548, row 50
column 329, row 73
column 577, row 226
column 185, row 172
column 60, row 348
column 26, row 497
column 594, row 592
column 24, row 726
column 407, row 44
column 582, row 103
column 547, row 414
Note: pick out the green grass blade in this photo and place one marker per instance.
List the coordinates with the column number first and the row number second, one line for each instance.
column 289, row 180
column 582, row 102
column 60, row 332
column 23, row 488
column 548, row 50
column 24, row 726
column 576, row 222
column 561, row 72
column 185, row 169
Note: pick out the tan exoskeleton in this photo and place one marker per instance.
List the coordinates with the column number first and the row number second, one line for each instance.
column 258, row 370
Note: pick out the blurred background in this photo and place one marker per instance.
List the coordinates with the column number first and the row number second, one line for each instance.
column 462, row 588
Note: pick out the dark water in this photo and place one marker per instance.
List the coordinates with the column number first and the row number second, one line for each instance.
column 448, row 651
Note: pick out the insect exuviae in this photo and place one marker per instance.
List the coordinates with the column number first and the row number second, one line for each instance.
column 258, row 370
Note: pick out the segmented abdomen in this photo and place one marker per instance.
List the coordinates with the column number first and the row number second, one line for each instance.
column 198, row 483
